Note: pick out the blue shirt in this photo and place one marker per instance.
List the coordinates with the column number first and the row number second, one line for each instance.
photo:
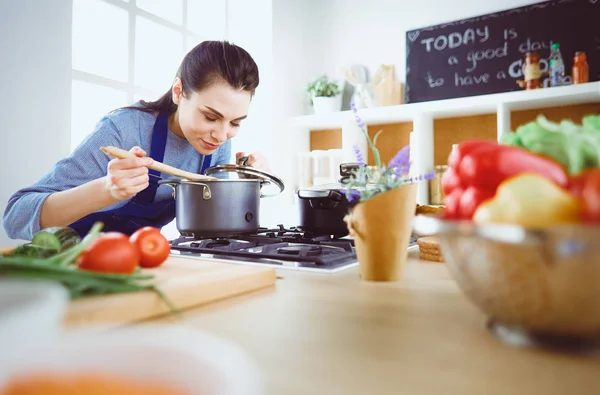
column 123, row 128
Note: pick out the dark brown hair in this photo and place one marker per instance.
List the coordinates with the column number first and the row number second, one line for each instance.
column 207, row 63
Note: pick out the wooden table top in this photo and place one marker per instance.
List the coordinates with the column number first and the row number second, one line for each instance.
column 334, row 334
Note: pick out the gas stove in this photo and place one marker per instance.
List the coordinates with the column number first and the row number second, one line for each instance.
column 284, row 248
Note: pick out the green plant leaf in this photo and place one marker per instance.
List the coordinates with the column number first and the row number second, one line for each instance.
column 322, row 87
column 376, row 137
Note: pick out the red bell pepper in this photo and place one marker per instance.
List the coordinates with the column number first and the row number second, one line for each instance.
column 477, row 167
column 586, row 187
column 464, row 148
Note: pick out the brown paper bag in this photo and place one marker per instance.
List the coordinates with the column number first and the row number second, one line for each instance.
column 381, row 228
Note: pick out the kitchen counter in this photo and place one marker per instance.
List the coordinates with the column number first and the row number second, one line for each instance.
column 334, row 334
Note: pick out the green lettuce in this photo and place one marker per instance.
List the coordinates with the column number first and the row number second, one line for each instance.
column 576, row 147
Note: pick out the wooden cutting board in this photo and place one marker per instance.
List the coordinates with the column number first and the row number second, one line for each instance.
column 186, row 282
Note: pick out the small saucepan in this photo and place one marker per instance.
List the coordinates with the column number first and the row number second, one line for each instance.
column 322, row 210
column 323, row 207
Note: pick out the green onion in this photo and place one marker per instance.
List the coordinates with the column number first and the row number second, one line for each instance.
column 80, row 283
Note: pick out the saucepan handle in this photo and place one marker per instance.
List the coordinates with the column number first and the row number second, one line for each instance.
column 262, row 194
column 206, row 193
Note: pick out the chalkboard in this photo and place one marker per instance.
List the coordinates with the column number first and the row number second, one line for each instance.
column 485, row 54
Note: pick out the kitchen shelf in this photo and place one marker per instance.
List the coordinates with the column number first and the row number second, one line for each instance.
column 460, row 107
column 422, row 116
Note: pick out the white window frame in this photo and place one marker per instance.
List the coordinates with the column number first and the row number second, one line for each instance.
column 133, row 11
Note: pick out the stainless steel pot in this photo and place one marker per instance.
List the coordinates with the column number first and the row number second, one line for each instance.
column 224, row 207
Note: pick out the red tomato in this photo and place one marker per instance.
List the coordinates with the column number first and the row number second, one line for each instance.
column 154, row 248
column 111, row 252
column 590, row 195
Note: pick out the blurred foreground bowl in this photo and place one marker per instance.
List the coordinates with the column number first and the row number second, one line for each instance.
column 546, row 282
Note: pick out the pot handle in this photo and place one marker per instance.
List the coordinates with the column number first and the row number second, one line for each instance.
column 206, row 193
column 320, row 195
column 267, row 182
column 353, row 228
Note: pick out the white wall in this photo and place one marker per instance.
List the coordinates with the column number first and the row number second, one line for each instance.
column 297, row 57
column 250, row 27
column 35, row 90
column 372, row 33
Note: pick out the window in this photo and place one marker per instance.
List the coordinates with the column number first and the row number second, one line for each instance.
column 158, row 52
column 127, row 50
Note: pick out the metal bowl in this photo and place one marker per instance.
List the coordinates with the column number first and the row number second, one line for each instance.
column 545, row 282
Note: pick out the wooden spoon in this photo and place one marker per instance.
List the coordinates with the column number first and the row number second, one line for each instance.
column 156, row 165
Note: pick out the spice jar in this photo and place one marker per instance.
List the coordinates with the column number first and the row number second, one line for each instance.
column 580, row 71
column 532, row 71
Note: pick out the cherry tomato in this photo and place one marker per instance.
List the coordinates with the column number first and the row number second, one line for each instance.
column 111, row 252
column 154, row 248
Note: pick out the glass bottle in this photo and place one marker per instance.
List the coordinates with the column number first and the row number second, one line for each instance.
column 532, row 71
column 557, row 66
column 580, row 71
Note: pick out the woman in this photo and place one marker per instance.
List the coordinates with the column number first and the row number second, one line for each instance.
column 189, row 127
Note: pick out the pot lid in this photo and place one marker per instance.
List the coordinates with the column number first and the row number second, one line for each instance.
column 335, row 194
column 248, row 172
column 335, row 186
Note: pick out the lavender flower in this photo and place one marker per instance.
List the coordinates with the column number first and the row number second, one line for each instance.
column 354, row 194
column 359, row 121
column 379, row 178
column 429, row 176
column 359, row 156
column 421, row 177
column 401, row 162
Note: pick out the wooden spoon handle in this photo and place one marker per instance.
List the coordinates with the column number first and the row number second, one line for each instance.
column 156, row 165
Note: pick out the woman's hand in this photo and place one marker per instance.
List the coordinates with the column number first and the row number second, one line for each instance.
column 126, row 177
column 256, row 160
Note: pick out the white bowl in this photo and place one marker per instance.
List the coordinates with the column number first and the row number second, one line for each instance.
column 190, row 360
column 31, row 314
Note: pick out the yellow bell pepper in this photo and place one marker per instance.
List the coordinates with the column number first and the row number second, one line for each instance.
column 529, row 200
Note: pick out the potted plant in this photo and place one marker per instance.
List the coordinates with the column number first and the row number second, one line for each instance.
column 381, row 221
column 325, row 95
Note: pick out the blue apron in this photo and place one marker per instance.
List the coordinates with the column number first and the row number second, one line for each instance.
column 141, row 210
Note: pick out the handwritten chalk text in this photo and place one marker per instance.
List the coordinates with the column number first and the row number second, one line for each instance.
column 455, row 39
